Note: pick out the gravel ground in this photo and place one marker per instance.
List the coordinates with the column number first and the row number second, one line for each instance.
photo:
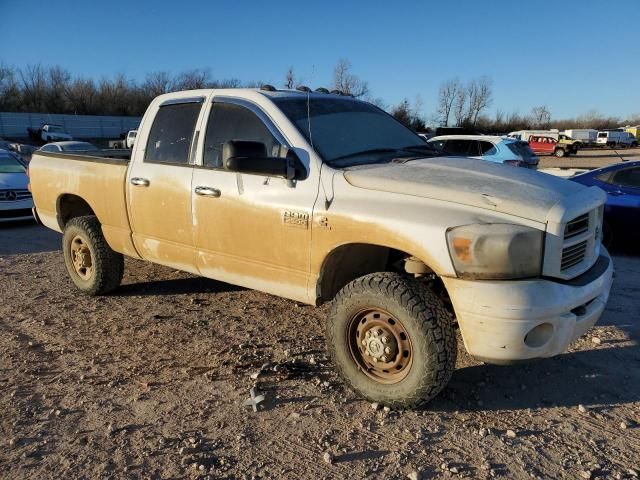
column 148, row 383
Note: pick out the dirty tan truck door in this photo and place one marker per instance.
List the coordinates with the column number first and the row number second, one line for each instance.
column 159, row 185
column 251, row 230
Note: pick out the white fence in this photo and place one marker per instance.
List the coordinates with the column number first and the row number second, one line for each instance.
column 78, row 126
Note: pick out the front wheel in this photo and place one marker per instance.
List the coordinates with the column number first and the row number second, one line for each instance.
column 559, row 152
column 92, row 265
column 392, row 339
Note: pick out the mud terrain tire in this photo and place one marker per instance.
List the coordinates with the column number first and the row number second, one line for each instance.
column 424, row 319
column 100, row 270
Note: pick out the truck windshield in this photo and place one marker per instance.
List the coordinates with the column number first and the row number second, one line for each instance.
column 55, row 128
column 347, row 132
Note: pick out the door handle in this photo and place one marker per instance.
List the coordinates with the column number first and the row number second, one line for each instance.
column 207, row 192
column 140, row 182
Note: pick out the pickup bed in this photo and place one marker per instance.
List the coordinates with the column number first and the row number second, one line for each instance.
column 324, row 198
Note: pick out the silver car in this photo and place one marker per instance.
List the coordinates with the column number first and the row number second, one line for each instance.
column 15, row 198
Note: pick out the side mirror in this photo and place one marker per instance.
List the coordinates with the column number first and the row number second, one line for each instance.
column 251, row 157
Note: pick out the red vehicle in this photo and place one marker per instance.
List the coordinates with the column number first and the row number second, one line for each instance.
column 550, row 146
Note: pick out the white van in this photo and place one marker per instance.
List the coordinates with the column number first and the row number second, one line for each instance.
column 616, row 138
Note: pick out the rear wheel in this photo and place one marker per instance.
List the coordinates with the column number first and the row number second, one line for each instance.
column 559, row 152
column 392, row 339
column 92, row 265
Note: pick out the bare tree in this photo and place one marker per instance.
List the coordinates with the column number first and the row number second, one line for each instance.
column 480, row 97
column 460, row 106
column 82, row 96
column 409, row 115
column 192, row 79
column 10, row 93
column 446, row 98
column 541, row 116
column 34, row 87
column 157, row 83
column 347, row 82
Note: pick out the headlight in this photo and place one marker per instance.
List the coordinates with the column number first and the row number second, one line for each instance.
column 496, row 251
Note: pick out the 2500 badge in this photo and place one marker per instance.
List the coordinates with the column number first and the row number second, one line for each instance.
column 296, row 219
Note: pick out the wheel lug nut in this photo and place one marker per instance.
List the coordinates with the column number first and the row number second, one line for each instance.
column 375, row 359
column 387, row 350
column 379, row 331
column 364, row 343
column 385, row 339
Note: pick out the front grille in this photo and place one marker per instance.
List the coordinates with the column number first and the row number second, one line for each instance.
column 576, row 226
column 14, row 195
column 573, row 255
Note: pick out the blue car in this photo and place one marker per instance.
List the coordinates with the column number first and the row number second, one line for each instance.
column 621, row 182
column 509, row 151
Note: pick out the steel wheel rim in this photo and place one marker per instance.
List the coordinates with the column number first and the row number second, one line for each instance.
column 385, row 361
column 81, row 257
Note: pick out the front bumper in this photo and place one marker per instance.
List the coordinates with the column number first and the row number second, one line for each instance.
column 17, row 210
column 497, row 318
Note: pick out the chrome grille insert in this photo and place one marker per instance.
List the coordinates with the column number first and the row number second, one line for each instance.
column 573, row 255
column 576, row 226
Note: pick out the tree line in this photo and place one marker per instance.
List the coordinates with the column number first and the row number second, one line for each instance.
column 37, row 88
column 465, row 105
column 52, row 89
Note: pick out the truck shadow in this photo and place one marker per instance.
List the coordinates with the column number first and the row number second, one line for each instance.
column 178, row 286
column 592, row 378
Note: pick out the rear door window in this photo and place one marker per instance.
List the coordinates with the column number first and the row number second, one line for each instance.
column 629, row 177
column 460, row 147
column 172, row 133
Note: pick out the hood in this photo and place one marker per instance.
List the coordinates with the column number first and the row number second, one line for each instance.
column 13, row 181
column 515, row 191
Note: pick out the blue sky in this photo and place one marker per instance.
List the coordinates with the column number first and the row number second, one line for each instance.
column 573, row 56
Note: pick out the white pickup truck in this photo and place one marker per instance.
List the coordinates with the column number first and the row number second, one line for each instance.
column 49, row 133
column 320, row 197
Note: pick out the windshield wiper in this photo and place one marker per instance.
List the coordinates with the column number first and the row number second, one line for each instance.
column 422, row 148
column 364, row 152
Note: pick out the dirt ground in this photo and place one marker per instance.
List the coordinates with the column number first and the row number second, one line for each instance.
column 149, row 382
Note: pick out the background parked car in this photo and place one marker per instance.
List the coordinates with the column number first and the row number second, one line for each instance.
column 48, row 133
column 544, row 145
column 505, row 150
column 562, row 138
column 72, row 146
column 15, row 198
column 621, row 181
